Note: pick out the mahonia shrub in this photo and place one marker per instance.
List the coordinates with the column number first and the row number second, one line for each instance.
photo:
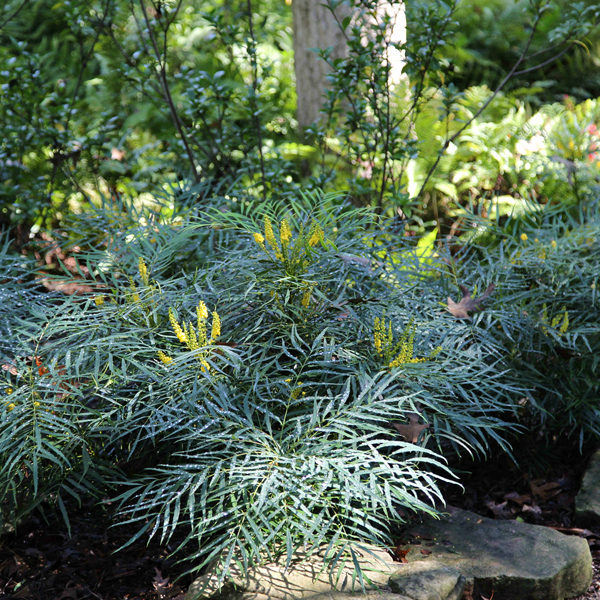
column 543, row 312
column 287, row 382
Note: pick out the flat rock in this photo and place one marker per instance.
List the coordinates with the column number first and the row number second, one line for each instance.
column 305, row 578
column 512, row 560
column 587, row 501
column 428, row 580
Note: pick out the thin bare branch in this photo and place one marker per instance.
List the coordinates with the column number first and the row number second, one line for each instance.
column 162, row 73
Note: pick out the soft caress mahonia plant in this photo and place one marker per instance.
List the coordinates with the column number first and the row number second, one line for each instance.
column 290, row 445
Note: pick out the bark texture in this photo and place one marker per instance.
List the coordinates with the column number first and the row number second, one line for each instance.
column 314, row 27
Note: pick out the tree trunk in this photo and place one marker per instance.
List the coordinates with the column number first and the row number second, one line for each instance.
column 315, row 27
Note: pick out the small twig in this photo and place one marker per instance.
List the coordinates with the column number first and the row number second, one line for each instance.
column 499, row 87
column 254, row 104
column 14, row 14
column 544, row 63
column 167, row 92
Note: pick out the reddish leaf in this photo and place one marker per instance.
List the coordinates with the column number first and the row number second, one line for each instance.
column 66, row 287
column 400, row 553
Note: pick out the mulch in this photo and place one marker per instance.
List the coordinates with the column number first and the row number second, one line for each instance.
column 40, row 561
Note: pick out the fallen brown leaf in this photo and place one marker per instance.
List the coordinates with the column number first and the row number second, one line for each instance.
column 412, row 430
column 501, row 510
column 517, row 498
column 400, row 554
column 68, row 287
column 467, row 303
column 545, row 490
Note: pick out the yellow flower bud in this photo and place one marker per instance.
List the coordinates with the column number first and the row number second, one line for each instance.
column 143, row 269
column 553, row 243
column 316, row 236
column 285, row 234
column 216, row 327
column 202, row 311
column 565, row 323
column 99, row 300
column 523, row 237
column 269, row 235
column 12, row 406
column 164, row 358
column 306, row 297
column 181, row 336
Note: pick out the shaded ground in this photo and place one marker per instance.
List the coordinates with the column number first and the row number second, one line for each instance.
column 41, row 562
column 541, row 493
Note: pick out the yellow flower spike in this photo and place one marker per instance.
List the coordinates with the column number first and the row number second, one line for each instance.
column 523, row 237
column 316, row 236
column 285, row 234
column 136, row 297
column 306, row 297
column 377, row 342
column 565, row 323
column 202, row 311
column 99, row 300
column 176, row 327
column 260, row 240
column 215, row 331
column 269, row 235
column 143, row 269
column 435, row 352
column 192, row 339
column 165, row 359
